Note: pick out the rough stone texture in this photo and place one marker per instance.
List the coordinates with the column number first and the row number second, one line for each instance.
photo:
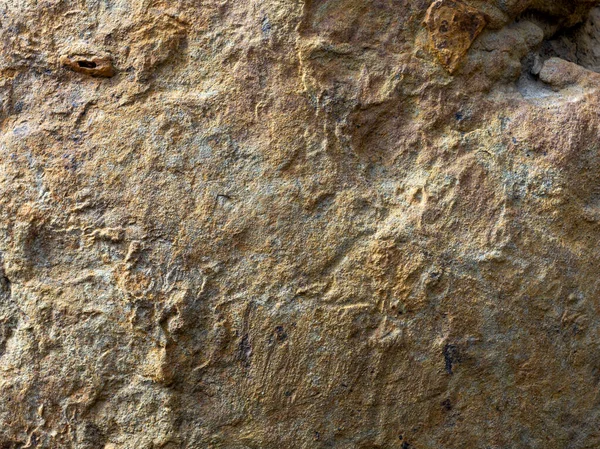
column 453, row 26
column 285, row 224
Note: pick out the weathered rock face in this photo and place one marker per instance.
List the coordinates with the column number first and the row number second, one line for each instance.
column 299, row 224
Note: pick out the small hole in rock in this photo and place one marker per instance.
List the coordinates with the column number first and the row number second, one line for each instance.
column 87, row 64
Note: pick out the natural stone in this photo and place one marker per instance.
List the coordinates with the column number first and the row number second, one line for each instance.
column 453, row 26
column 299, row 224
column 560, row 73
column 93, row 66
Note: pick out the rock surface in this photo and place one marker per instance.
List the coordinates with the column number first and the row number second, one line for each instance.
column 286, row 224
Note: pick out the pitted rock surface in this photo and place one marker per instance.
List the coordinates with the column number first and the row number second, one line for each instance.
column 299, row 224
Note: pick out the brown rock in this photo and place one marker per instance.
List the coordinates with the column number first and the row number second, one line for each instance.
column 283, row 225
column 99, row 66
column 453, row 26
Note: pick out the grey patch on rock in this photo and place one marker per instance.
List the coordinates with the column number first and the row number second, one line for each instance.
column 89, row 436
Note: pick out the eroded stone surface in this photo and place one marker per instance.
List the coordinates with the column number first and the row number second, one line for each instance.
column 453, row 26
column 285, row 224
column 89, row 65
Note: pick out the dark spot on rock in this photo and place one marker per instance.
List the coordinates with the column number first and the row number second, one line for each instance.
column 90, row 436
column 447, row 405
column 459, row 116
column 245, row 350
column 5, row 284
column 87, row 64
column 451, row 356
column 7, row 329
column 96, row 66
column 280, row 334
column 266, row 25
